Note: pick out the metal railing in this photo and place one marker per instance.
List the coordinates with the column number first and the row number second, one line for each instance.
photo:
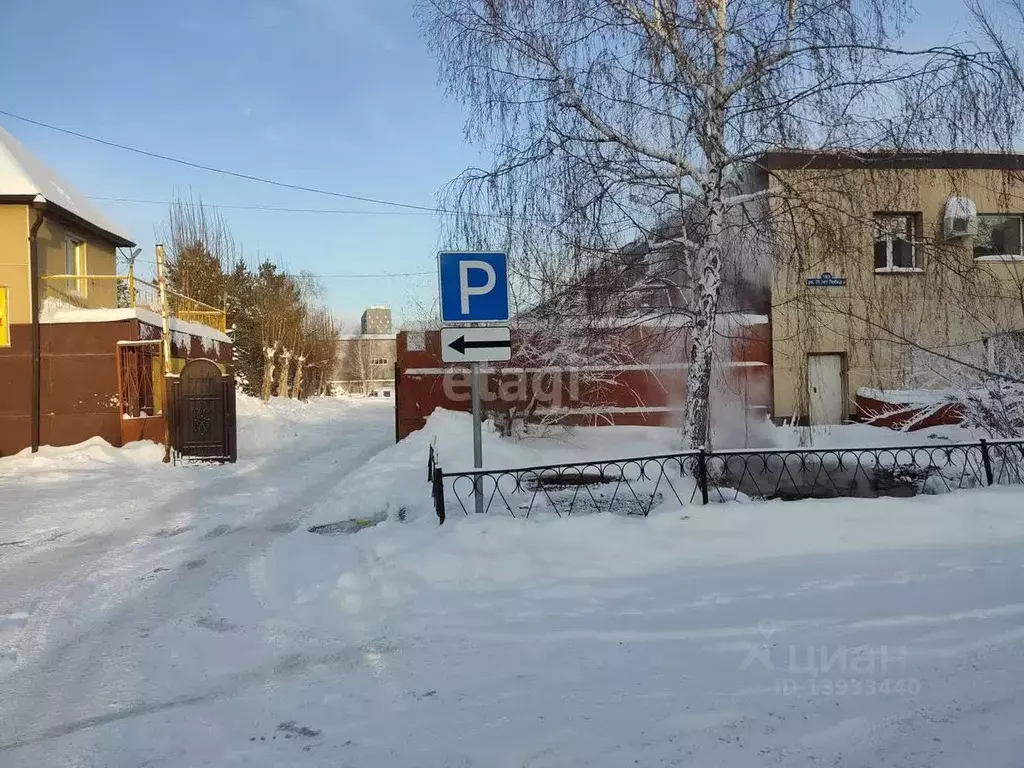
column 635, row 486
column 78, row 291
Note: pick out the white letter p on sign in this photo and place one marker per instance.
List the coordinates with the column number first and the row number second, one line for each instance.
column 465, row 290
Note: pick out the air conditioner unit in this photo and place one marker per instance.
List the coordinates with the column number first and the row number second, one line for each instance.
column 960, row 219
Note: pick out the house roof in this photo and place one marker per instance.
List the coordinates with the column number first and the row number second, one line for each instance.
column 23, row 176
column 797, row 159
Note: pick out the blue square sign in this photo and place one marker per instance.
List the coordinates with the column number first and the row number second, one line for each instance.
column 474, row 287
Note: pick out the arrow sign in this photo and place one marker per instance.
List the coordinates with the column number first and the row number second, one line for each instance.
column 476, row 345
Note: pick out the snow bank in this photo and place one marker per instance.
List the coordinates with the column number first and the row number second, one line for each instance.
column 396, row 478
column 396, row 562
column 866, row 436
column 264, row 428
column 94, row 452
column 906, row 396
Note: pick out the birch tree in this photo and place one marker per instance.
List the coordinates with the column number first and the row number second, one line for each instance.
column 607, row 118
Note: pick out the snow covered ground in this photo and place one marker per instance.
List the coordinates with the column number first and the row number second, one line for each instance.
column 195, row 621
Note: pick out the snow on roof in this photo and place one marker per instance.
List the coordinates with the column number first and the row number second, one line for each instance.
column 905, row 396
column 54, row 314
column 22, row 174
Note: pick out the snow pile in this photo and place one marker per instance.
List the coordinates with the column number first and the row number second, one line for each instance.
column 867, row 436
column 395, row 562
column 410, row 552
column 397, row 477
column 906, row 396
column 264, row 428
column 91, row 454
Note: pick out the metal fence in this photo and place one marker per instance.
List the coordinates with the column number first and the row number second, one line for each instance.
column 635, row 486
column 129, row 291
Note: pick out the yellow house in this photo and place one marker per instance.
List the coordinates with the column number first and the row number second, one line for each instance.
column 893, row 272
column 72, row 236
column 79, row 343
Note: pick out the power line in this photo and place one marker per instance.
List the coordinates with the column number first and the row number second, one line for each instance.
column 223, row 171
column 266, row 207
column 343, row 276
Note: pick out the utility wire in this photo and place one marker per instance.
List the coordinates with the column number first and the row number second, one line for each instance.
column 223, row 171
column 342, row 276
column 265, row 207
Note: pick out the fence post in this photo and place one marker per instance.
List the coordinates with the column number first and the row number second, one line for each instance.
column 986, row 461
column 438, row 494
column 430, row 465
column 702, row 475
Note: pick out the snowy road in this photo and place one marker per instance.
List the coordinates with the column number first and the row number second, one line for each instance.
column 204, row 626
column 96, row 559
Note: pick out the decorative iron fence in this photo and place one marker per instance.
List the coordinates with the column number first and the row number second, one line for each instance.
column 635, row 486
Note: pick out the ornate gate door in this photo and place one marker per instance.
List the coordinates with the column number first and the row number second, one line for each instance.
column 203, row 413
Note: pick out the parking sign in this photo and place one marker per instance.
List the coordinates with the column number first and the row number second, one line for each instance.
column 474, row 287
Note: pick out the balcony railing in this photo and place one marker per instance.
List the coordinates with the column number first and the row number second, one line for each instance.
column 128, row 291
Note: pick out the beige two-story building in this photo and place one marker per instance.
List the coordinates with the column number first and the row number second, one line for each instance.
column 893, row 272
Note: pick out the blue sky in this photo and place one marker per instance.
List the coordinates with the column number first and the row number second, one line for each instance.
column 334, row 94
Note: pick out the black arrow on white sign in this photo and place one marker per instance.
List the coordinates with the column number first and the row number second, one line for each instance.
column 476, row 345
column 460, row 344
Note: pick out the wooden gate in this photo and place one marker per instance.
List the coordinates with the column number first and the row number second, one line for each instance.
column 203, row 413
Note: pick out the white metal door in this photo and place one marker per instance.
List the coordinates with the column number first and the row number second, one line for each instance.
column 825, row 388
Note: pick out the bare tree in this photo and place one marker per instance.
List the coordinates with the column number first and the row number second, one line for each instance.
column 608, row 118
column 320, row 350
column 201, row 250
column 269, row 354
column 283, row 386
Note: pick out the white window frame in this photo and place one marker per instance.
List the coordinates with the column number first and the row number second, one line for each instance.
column 891, row 268
column 75, row 264
column 1020, row 238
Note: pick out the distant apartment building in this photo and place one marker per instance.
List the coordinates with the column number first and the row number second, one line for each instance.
column 366, row 360
column 376, row 320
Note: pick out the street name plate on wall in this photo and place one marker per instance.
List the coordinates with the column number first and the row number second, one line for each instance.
column 827, row 280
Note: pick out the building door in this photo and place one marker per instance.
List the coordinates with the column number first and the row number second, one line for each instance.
column 825, row 389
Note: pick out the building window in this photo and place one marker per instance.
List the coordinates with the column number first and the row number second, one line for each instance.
column 896, row 238
column 999, row 237
column 74, row 264
column 1005, row 353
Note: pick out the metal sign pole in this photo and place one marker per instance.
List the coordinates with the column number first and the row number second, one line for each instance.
column 165, row 347
column 473, row 290
column 478, row 453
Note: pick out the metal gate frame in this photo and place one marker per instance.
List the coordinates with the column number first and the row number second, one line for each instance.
column 222, row 396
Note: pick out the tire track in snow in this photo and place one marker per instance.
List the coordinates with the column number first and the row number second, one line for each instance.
column 43, row 688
